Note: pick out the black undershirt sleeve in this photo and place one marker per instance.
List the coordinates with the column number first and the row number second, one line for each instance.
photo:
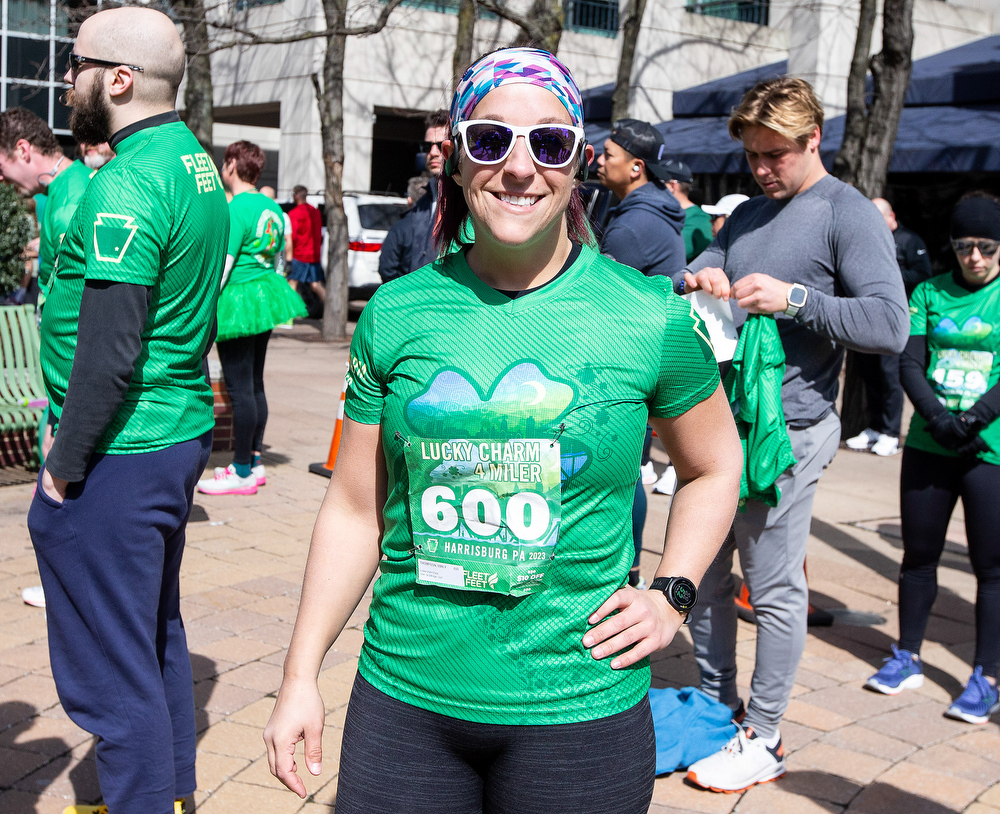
column 109, row 340
column 913, row 375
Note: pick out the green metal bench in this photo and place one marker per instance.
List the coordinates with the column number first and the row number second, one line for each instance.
column 22, row 394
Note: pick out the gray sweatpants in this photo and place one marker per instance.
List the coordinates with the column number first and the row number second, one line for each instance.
column 772, row 546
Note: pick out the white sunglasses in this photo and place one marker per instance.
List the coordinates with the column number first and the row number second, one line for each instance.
column 551, row 145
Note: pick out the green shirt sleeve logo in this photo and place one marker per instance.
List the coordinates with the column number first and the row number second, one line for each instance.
column 112, row 236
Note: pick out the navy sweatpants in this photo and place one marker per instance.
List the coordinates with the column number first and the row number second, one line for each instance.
column 109, row 558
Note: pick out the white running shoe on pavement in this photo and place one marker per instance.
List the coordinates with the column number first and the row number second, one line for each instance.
column 668, row 483
column 743, row 762
column 227, row 482
column 864, row 440
column 886, row 445
column 648, row 473
column 258, row 472
column 34, row 596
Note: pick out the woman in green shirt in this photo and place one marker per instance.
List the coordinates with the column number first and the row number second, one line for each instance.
column 254, row 298
column 950, row 370
column 496, row 407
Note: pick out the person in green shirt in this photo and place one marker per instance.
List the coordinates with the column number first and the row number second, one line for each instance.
column 496, row 407
column 253, row 301
column 127, row 326
column 33, row 161
column 950, row 369
column 697, row 231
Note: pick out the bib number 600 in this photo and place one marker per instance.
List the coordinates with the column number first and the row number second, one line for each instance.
column 526, row 513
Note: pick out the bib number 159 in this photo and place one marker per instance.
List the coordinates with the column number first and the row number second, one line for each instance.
column 525, row 514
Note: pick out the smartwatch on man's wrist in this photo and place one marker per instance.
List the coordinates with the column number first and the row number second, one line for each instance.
column 796, row 296
column 680, row 592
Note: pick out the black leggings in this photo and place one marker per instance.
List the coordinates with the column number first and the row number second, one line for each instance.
column 400, row 759
column 243, row 367
column 929, row 487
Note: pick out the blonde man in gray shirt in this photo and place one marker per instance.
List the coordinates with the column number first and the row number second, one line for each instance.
column 816, row 254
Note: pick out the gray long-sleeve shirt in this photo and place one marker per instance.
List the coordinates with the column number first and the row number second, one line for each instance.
column 832, row 240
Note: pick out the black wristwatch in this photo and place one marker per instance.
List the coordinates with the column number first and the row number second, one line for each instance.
column 681, row 593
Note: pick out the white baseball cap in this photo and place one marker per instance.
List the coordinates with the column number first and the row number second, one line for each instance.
column 726, row 205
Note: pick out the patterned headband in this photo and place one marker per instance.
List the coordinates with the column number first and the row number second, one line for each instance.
column 526, row 66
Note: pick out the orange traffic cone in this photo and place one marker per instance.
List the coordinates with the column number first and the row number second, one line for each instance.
column 326, row 469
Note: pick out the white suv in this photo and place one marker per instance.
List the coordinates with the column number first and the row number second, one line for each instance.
column 369, row 217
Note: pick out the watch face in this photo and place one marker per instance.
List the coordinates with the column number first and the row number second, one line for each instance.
column 683, row 593
column 797, row 297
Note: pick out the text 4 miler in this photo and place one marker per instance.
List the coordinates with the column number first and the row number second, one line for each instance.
column 515, row 461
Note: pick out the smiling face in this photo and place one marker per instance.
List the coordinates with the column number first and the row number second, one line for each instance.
column 781, row 167
column 517, row 202
column 977, row 268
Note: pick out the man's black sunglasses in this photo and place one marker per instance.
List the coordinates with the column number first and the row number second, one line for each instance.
column 75, row 61
column 425, row 147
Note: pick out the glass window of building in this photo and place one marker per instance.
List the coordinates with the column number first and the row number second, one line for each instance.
column 34, row 41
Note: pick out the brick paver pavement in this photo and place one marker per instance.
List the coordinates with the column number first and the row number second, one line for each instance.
column 849, row 750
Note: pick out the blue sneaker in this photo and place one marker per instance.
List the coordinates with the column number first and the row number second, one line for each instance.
column 901, row 671
column 978, row 701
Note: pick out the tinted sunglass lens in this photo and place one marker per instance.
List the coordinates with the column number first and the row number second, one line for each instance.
column 487, row 142
column 552, row 146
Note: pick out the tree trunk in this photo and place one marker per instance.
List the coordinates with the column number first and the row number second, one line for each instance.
column 549, row 16
column 630, row 36
column 464, row 41
column 891, row 74
column 330, row 98
column 845, row 165
column 198, row 101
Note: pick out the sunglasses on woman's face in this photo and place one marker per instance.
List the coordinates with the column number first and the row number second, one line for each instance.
column 551, row 145
column 987, row 248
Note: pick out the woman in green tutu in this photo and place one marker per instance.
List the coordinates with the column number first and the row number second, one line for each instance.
column 254, row 298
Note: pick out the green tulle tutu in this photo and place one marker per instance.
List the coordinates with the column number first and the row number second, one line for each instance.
column 250, row 308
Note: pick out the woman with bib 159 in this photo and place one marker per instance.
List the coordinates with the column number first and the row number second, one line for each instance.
column 951, row 373
column 496, row 408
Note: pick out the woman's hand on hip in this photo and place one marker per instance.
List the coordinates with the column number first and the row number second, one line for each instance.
column 298, row 715
column 645, row 619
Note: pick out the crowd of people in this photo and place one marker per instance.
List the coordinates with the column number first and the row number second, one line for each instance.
column 495, row 487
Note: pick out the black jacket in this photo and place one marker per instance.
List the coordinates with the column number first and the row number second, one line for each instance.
column 911, row 254
column 409, row 245
column 644, row 231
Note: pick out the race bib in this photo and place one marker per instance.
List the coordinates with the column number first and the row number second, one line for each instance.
column 960, row 376
column 485, row 514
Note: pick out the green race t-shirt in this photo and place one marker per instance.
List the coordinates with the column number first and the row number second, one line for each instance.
column 63, row 195
column 155, row 216
column 963, row 341
column 256, row 235
column 697, row 231
column 492, row 386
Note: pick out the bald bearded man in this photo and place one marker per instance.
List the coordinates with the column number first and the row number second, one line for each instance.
column 129, row 320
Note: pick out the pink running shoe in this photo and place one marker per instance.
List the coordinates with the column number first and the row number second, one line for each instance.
column 227, row 482
column 258, row 472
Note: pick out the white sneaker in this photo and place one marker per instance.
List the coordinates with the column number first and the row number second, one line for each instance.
column 227, row 482
column 864, row 440
column 34, row 596
column 743, row 762
column 257, row 471
column 886, row 445
column 648, row 473
column 668, row 483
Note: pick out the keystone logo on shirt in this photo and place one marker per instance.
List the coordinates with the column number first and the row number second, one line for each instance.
column 112, row 236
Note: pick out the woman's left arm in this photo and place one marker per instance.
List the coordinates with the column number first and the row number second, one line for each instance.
column 704, row 448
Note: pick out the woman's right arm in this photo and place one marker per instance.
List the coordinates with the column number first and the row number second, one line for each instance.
column 343, row 557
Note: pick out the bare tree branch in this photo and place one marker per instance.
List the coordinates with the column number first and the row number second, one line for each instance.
column 246, row 36
column 526, row 23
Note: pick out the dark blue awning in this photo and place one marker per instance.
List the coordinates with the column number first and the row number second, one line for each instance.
column 967, row 75
column 720, row 96
column 930, row 139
